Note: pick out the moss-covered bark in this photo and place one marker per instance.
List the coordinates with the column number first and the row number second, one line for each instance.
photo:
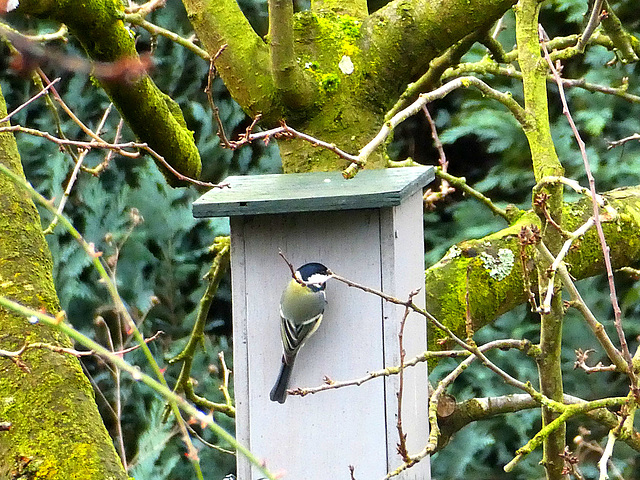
column 153, row 116
column 56, row 431
column 545, row 163
column 359, row 64
column 496, row 287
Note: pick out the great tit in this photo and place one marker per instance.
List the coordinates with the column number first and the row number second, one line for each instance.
column 301, row 308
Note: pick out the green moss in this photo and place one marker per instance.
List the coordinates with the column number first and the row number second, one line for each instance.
column 329, row 82
column 349, row 27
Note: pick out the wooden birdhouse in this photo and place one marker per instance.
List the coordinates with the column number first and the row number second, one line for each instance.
column 370, row 230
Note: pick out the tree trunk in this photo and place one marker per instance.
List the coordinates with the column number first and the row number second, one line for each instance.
column 55, row 430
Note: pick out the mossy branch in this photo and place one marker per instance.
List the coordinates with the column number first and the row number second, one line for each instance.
column 244, row 65
column 153, row 116
column 545, row 163
column 402, row 37
column 219, row 266
column 291, row 82
column 445, row 295
column 626, row 44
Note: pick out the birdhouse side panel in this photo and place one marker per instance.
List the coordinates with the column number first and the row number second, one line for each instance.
column 402, row 256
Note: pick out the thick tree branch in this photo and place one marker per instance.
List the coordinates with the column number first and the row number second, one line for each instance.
column 55, row 387
column 244, row 65
column 495, row 290
column 290, row 80
column 478, row 409
column 153, row 116
column 548, row 205
column 400, row 39
column 354, row 8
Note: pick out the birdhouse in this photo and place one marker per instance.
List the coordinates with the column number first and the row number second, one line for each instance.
column 370, row 230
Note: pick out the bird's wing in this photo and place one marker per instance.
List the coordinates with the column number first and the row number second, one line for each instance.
column 294, row 336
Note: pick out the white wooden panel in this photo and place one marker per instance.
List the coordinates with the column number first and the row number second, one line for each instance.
column 402, row 250
column 318, row 436
column 240, row 366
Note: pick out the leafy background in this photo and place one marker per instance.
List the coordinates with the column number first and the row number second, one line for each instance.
column 160, row 262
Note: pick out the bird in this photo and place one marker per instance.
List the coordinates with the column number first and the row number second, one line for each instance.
column 301, row 308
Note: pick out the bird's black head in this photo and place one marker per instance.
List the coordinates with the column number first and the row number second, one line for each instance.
column 313, row 275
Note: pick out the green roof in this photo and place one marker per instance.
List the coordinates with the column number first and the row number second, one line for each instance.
column 309, row 192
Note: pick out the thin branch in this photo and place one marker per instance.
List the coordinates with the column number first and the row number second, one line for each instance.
column 146, row 8
column 118, row 147
column 594, row 21
column 331, row 384
column 98, row 169
column 60, row 34
column 219, row 267
column 32, row 99
column 433, row 75
column 430, row 197
column 139, row 20
column 285, row 131
column 569, row 412
column 596, row 215
column 489, row 67
column 551, row 271
column 402, row 437
column 74, row 175
column 461, row 183
column 135, row 372
column 622, row 141
column 469, row 347
column 425, row 98
column 581, row 363
column 209, row 91
column 606, row 456
column 577, row 301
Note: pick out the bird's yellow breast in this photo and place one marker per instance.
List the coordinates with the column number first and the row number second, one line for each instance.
column 299, row 303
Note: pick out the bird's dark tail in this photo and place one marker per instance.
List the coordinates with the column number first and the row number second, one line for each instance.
column 279, row 390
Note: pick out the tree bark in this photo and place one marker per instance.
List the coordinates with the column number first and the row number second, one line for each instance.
column 55, row 429
column 496, row 287
column 154, row 117
column 387, row 49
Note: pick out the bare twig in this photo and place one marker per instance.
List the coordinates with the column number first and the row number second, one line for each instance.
column 69, row 351
column 596, row 215
column 577, row 302
column 606, row 455
column 98, row 169
column 146, row 8
column 117, row 147
column 138, row 19
column 430, row 197
column 423, row 99
column 402, row 437
column 594, row 20
column 546, row 304
column 469, row 347
column 394, row 370
column 581, row 363
column 32, row 99
column 209, row 91
column 289, row 264
column 622, row 141
column 74, row 175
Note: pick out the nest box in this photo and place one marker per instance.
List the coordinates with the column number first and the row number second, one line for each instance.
column 370, row 230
